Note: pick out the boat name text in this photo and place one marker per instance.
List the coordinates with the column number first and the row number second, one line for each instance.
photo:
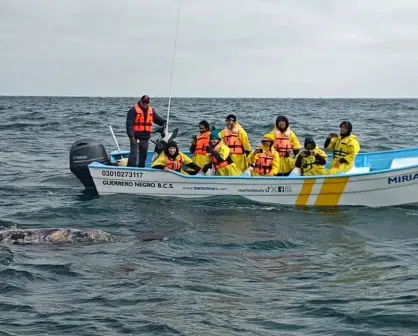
column 403, row 178
column 119, row 173
column 157, row 185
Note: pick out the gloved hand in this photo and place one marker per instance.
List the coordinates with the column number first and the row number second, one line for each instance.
column 209, row 149
column 306, row 153
column 287, row 154
column 159, row 147
column 333, row 135
column 194, row 138
column 258, row 151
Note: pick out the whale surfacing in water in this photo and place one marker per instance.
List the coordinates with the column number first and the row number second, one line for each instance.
column 55, row 236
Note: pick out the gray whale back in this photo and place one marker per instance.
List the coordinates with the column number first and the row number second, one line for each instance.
column 55, row 236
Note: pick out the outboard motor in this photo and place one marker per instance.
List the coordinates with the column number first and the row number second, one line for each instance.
column 82, row 153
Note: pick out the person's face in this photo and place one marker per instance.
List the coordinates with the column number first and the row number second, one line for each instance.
column 202, row 129
column 213, row 142
column 267, row 143
column 172, row 150
column 343, row 129
column 282, row 124
column 144, row 104
column 229, row 124
column 309, row 146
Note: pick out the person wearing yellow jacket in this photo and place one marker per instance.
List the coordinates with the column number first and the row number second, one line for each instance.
column 173, row 159
column 312, row 160
column 345, row 148
column 286, row 143
column 199, row 144
column 236, row 138
column 264, row 161
column 220, row 156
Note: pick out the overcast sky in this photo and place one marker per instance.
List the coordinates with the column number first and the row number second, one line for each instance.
column 228, row 48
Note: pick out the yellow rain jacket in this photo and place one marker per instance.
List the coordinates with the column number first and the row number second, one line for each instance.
column 309, row 165
column 225, row 166
column 265, row 159
column 200, row 156
column 285, row 143
column 265, row 163
column 237, row 141
column 181, row 159
column 346, row 148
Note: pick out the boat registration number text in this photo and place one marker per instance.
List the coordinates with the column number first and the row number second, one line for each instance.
column 122, row 173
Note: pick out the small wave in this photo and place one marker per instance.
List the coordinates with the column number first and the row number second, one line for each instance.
column 16, row 308
column 15, row 274
column 255, row 245
column 186, row 260
column 212, row 289
column 59, row 269
column 10, row 289
column 275, row 325
column 6, row 255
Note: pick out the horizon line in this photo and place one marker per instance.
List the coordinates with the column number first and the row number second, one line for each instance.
column 196, row 97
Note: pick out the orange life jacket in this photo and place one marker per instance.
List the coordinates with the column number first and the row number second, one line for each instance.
column 202, row 141
column 232, row 141
column 264, row 163
column 282, row 143
column 175, row 164
column 140, row 124
column 220, row 164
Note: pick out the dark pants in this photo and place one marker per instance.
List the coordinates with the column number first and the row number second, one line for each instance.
column 140, row 146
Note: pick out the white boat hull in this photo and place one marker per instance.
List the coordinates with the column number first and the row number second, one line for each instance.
column 374, row 189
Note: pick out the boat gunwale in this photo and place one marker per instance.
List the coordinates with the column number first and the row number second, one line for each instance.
column 98, row 165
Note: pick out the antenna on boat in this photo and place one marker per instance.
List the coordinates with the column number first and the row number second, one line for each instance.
column 172, row 68
column 114, row 138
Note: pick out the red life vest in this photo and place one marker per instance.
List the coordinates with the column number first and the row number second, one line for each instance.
column 282, row 143
column 175, row 164
column 202, row 141
column 220, row 164
column 264, row 163
column 140, row 124
column 232, row 141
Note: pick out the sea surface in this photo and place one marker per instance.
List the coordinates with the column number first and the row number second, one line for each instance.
column 220, row 266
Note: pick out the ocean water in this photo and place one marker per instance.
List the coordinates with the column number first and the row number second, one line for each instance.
column 220, row 266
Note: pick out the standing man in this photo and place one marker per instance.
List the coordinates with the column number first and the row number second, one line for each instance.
column 139, row 121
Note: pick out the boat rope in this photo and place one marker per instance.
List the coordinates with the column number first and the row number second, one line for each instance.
column 172, row 68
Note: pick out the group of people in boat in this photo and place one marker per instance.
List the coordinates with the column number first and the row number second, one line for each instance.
column 228, row 151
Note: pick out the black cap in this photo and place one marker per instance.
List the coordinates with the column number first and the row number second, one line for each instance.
column 231, row 117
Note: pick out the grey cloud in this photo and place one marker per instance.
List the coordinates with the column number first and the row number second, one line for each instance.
column 262, row 48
